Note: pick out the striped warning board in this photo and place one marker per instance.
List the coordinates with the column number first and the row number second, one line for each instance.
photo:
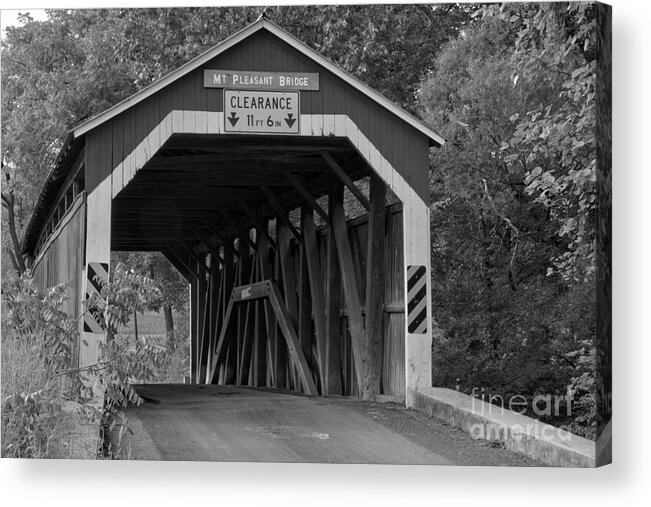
column 416, row 300
column 96, row 278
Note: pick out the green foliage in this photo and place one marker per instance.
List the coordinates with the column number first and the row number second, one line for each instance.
column 554, row 141
column 513, row 278
column 36, row 353
column 41, row 383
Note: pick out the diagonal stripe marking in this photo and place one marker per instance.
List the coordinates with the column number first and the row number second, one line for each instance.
column 416, row 288
column 416, row 311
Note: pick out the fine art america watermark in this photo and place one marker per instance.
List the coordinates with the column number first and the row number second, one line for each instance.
column 543, row 405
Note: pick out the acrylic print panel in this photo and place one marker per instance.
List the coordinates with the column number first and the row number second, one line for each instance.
column 393, row 247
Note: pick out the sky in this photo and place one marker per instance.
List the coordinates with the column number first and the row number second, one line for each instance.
column 10, row 17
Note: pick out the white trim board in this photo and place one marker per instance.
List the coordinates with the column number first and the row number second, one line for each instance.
column 416, row 235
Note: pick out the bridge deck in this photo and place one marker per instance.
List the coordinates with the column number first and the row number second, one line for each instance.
column 227, row 423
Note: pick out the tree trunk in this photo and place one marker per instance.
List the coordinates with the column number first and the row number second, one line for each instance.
column 8, row 202
column 169, row 326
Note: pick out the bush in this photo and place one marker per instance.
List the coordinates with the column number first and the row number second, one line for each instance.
column 36, row 358
column 41, row 382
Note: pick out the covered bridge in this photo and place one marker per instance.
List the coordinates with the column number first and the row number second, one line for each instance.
column 235, row 167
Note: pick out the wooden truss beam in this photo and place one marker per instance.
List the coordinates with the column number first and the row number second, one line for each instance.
column 332, row 163
column 282, row 214
column 256, row 222
column 309, row 198
column 244, row 234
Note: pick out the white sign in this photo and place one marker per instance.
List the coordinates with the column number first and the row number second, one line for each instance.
column 255, row 80
column 258, row 112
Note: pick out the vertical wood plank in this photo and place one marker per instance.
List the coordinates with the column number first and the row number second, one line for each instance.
column 375, row 274
column 304, row 306
column 194, row 289
column 351, row 293
column 316, row 287
column 333, row 299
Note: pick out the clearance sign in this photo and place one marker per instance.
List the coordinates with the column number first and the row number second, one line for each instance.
column 261, row 112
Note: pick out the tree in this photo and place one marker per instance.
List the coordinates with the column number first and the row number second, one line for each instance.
column 172, row 294
column 554, row 142
column 509, row 321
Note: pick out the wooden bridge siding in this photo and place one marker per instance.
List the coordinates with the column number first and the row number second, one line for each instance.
column 405, row 148
column 63, row 261
column 393, row 371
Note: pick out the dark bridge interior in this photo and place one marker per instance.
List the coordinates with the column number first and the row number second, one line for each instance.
column 215, row 187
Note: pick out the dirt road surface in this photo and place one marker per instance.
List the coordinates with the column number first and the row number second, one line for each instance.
column 227, row 423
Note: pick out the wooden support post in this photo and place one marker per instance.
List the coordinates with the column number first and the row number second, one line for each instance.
column 194, row 342
column 279, row 349
column 267, row 273
column 351, row 292
column 346, row 180
column 222, row 343
column 304, row 304
column 230, row 364
column 287, row 271
column 205, row 328
column 244, row 267
column 309, row 198
column 248, row 335
column 316, row 289
column 260, row 346
column 375, row 288
column 288, row 277
column 201, row 308
column 333, row 300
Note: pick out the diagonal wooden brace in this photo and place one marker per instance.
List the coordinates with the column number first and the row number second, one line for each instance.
column 259, row 290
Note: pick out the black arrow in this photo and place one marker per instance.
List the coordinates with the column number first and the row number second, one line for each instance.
column 233, row 119
column 290, row 121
